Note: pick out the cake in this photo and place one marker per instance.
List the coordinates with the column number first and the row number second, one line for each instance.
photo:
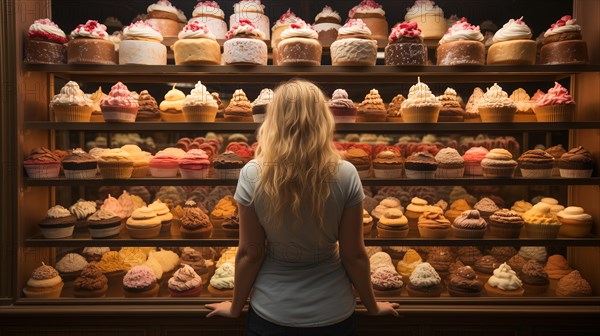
column 469, row 225
column 451, row 110
column 461, row 45
column 563, row 43
column 578, row 162
column 212, row 16
column 555, row 106
column 197, row 45
column 424, row 282
column 540, row 222
column 245, row 45
column 185, row 283
column 299, row 46
column 464, row 282
column 536, row 163
column 472, row 107
column 386, row 282
column 254, row 11
column 171, row 109
column 534, row 278
column 394, row 112
column 231, row 225
column 89, row 44
column 194, row 165
column 421, row 106
column 354, row 45
column 406, row 45
column 498, row 163
column 433, row 225
column 373, row 15
column 504, row 283
column 195, row 224
column 388, row 164
column 327, row 24
column 119, row 106
column 199, row 105
column 139, row 282
column 524, row 106
column 429, row 17
column 91, row 283
column 227, row 166
column 505, row 223
column 496, row 106
column 393, row 224
column 58, row 223
column 512, row 45
column 283, row 23
column 142, row 45
column 450, row 163
column 260, row 104
column 167, row 19
column 82, row 210
column 148, row 108
column 361, row 161
column 144, row 223
column 420, row 165
column 44, row 283
column 104, row 224
column 372, row 109
column 71, row 104
column 575, row 222
column 386, row 204
column 240, row 108
column 46, row 43
column 222, row 283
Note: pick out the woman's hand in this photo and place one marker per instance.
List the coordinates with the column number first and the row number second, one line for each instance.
column 386, row 308
column 221, row 309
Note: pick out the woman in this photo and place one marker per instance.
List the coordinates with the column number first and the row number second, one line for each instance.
column 296, row 201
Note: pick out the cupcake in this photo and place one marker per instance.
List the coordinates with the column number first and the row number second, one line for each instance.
column 468, row 255
column 89, row 44
column 379, row 260
column 576, row 163
column 473, row 158
column 119, row 106
column 430, row 18
column 163, row 213
column 41, row 163
column 421, row 106
column 144, row 223
column 91, row 283
column 486, row 207
column 555, row 106
column 512, row 45
column 424, row 282
column 141, row 44
column 168, row 260
column 227, row 166
column 540, row 222
column 361, row 161
column 388, row 164
column 139, row 282
column 254, row 11
column 240, row 108
column 464, row 282
column 210, row 14
column 556, row 152
column 260, row 104
column 393, row 224
column 461, row 45
column 408, row 264
column 472, row 107
column 193, row 258
column 327, row 24
column 440, row 259
column 485, row 266
column 534, row 278
column 456, row 209
column 342, row 108
column 450, row 163
column 245, row 45
column 433, row 225
column 516, row 262
column 299, row 46
column 498, row 163
column 537, row 253
column 224, row 208
column 79, row 165
column 115, row 164
column 575, row 222
column 563, row 43
column 221, row 108
column 536, row 163
column 197, row 45
column 367, row 223
column 557, row 267
column 504, row 283
column 497, row 106
column 354, row 45
column 114, row 267
column 415, row 209
column 195, row 224
column 521, row 207
column 386, row 204
column 166, row 162
column 505, row 223
column 386, row 282
column 406, row 45
column 70, row 265
column 420, row 165
column 372, row 109
column 59, row 223
column 140, row 160
column 96, row 98
column 71, row 104
column 394, row 112
column 553, row 203
column 194, row 165
column 469, row 225
column 45, row 283
column 171, row 109
column 573, row 285
column 199, row 105
column 221, row 284
column 46, row 43
column 148, row 108
column 503, row 253
column 373, row 16
column 524, row 106
column 185, row 283
column 283, row 23
column 451, row 110
column 82, row 210
column 104, row 224
column 94, row 254
column 231, row 225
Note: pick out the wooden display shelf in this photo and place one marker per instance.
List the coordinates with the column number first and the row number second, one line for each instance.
column 322, row 74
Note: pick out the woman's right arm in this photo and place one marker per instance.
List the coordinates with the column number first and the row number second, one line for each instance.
column 356, row 262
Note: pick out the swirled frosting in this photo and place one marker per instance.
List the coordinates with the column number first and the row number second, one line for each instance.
column 208, row 8
column 139, row 277
column 71, row 262
column 386, row 278
column 142, row 30
column 133, row 256
column 82, row 209
column 537, row 253
column 300, row 29
column 47, row 30
column 264, row 98
column 405, row 30
column 557, row 95
column 355, row 27
column 513, row 30
column 173, row 100
column 505, row 278
column 113, row 205
column 57, row 211
column 421, row 8
column 200, row 96
column 111, row 262
column 424, row 275
column 372, row 101
column 286, row 19
column 196, row 30
column 119, row 96
column 224, row 277
column 367, row 7
column 328, row 13
column 91, row 29
column 470, row 220
column 245, row 28
column 71, row 94
column 566, row 24
column 557, row 267
column 573, row 284
column 184, row 279
column 102, row 215
column 91, row 278
column 420, row 95
column 495, row 97
column 379, row 260
column 541, row 214
column 461, row 30
column 253, row 6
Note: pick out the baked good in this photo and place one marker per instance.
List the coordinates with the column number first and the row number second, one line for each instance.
column 373, row 15
column 450, row 163
column 473, row 158
column 79, row 165
column 408, row 263
column 485, row 267
column 573, row 285
column 171, row 109
column 91, row 283
column 505, row 223
column 456, row 209
column 284, row 22
column 71, row 104
column 524, row 106
column 104, row 224
column 58, row 223
column 96, row 98
column 367, row 223
column 199, row 105
column 496, row 106
column 512, row 45
column 393, row 224
column 424, row 281
column 433, row 225
column 115, row 164
column 231, row 225
column 260, row 104
column 469, row 225
column 194, row 165
column 555, row 106
column 196, row 46
column 299, row 46
column 486, row 207
column 516, row 262
column 441, row 258
column 89, row 44
column 227, row 166
column 379, row 260
column 168, row 260
column 45, row 283
column 209, row 13
column 163, row 213
column 221, row 109
column 386, row 282
column 254, row 11
column 536, row 163
column 225, row 207
column 120, row 105
column 148, row 108
column 563, row 43
column 557, row 267
column 537, row 253
column 468, row 255
column 70, row 266
column 141, row 44
column 327, row 24
column 245, row 45
column 521, row 207
column 193, row 257
column 113, row 267
column 534, row 278
column 82, row 209
column 185, row 283
column 221, row 284
column 420, row 165
column 504, row 283
column 94, row 253
column 503, row 253
column 464, row 282
column 144, row 223
column 556, row 152
column 451, row 110
column 421, row 106
column 498, row 163
column 140, row 281
column 133, row 256
column 394, row 112
column 46, row 43
column 139, row 158
column 342, row 108
column 354, row 45
column 166, row 18
column 461, row 45
column 429, row 17
column 166, row 162
column 406, row 45
column 240, row 108
column 472, row 107
column 575, row 222
column 388, row 164
column 372, row 109
column 415, row 209
column 361, row 161
column 553, row 203
column 195, row 223
column 540, row 222
column 386, row 204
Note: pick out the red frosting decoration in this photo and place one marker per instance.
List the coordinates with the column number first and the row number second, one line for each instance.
column 356, row 23
column 243, row 22
column 462, row 24
column 365, row 4
column 213, row 4
column 562, row 22
column 300, row 24
column 283, row 18
column 196, row 26
column 44, row 35
column 91, row 25
column 405, row 29
column 241, row 149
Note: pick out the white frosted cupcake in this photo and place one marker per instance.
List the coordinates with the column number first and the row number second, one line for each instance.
column 496, row 106
column 421, row 106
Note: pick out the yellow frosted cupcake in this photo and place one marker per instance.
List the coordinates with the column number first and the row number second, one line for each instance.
column 140, row 160
column 115, row 164
column 393, row 224
column 540, row 222
column 171, row 109
column 408, row 263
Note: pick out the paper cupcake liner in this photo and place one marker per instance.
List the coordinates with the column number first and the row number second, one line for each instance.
column 344, row 119
column 194, row 174
column 72, row 113
column 388, row 173
column 200, row 113
column 449, row 172
column 466, row 233
column 497, row 114
column 499, row 172
column 555, row 113
column 501, row 231
column 228, row 174
column 395, row 119
column 162, row 172
column 140, row 171
column 57, row 233
column 42, row 171
column 543, row 231
column 433, row 233
column 115, row 170
column 259, row 118
column 536, row 173
column 525, row 117
column 419, row 174
column 473, row 169
column 576, row 173
column 85, row 174
column 116, row 114
column 575, row 230
column 105, row 233
column 421, row 114
column 172, row 117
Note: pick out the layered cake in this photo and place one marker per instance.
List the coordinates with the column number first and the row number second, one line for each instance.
column 299, row 46
column 563, row 43
column 46, row 43
column 461, row 45
column 406, row 45
column 284, row 22
column 212, row 16
column 142, row 45
column 167, row 19
column 354, row 45
column 373, row 16
column 327, row 24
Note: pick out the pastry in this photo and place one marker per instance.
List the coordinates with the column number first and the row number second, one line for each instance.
column 421, row 106
column 45, row 283
column 354, row 45
column 260, row 105
column 386, row 282
column 91, row 283
column 575, row 222
column 456, row 209
column 342, row 108
column 505, row 223
column 504, row 283
column 221, row 284
column 245, row 45
column 473, row 158
column 373, row 15
column 227, row 166
column 367, row 223
column 185, row 283
column 82, row 210
column 240, row 108
column 496, row 106
column 115, row 164
column 486, row 207
column 461, row 45
column 372, row 109
column 388, row 164
column 254, row 11
column 142, row 45
column 70, row 265
column 79, row 165
column 393, row 224
column 553, row 203
column 299, row 46
column 58, row 223
column 524, row 106
column 420, row 165
column 46, row 43
column 517, row 262
column 540, row 222
column 386, row 204
column 199, row 105
column 429, row 17
column 536, row 163
column 140, row 281
column 140, row 160
column 327, row 24
column 394, row 112
column 464, row 282
column 512, row 45
column 144, row 223
column 405, row 45
column 557, row 267
column 433, row 225
column 209, row 13
column 469, row 225
column 284, row 22
column 498, row 163
column 163, row 213
column 555, row 106
column 424, row 281
column 167, row 19
column 96, row 98
column 563, row 43
column 472, row 108
column 193, row 257
column 195, row 223
column 361, row 161
column 485, row 267
column 534, row 278
column 573, row 285
column 166, row 162
column 194, row 165
column 196, row 46
column 440, row 259
column 451, row 110
column 113, row 267
column 148, row 108
column 408, row 264
column 520, row 207
column 171, row 109
column 104, row 224
column 225, row 207
column 71, row 104
column 450, row 163
column 120, row 105
column 231, row 225
column 415, row 209
column 89, row 44
column 556, row 152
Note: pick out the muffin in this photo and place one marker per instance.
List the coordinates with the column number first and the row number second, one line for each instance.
column 575, row 222
column 71, row 104
column 185, row 283
column 140, row 160
column 199, row 105
column 573, row 285
column 144, row 223
column 139, row 282
column 517, row 262
column 496, row 106
column 91, row 283
column 456, row 209
column 195, row 224
column 486, row 207
column 485, row 266
column 521, row 207
column 421, row 106
column 196, row 45
column 393, row 224
column 163, row 213
column 79, row 165
column 394, row 112
column 433, row 225
column 540, row 222
column 367, row 223
column 386, row 282
column 512, row 45
column 461, row 45
column 70, row 265
column 469, row 225
column 222, row 282
column 47, row 43
column 420, row 165
column 240, row 108
column 194, row 165
column 503, row 253
column 171, row 109
column 408, row 263
column 372, row 109
column 576, row 163
column 450, row 163
column 405, row 45
column 464, row 282
column 536, row 163
column 354, row 45
column 115, row 164
column 45, row 283
column 342, row 108
column 41, row 163
column 148, row 108
column 361, row 161
column 504, row 283
column 424, row 282
column 505, row 223
column 534, row 278
column 120, row 105
column 472, row 158
column 260, row 104
column 388, row 164
column 498, row 163
column 555, row 106
column 59, row 223
column 231, row 225
column 451, row 110
column 327, row 24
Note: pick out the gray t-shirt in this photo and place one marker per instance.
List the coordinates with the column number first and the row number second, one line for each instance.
column 302, row 282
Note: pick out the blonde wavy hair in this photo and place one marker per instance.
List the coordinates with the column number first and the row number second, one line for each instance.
column 296, row 154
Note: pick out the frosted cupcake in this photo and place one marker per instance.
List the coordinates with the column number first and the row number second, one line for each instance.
column 524, row 106
column 185, row 283
column 450, row 163
column 406, row 45
column 578, row 162
column 451, row 110
column 472, row 159
column 429, row 17
column 327, row 24
column 142, row 45
column 222, row 282
column 394, row 111
column 504, row 283
column 498, row 163
column 299, row 46
column 71, row 104
column 354, row 45
column 260, row 104
column 254, row 11
column 283, row 23
column 373, row 15
column 240, row 108
column 194, row 165
column 199, row 105
column 512, row 45
column 575, row 222
column 120, row 105
column 555, row 106
column 171, row 109
column 497, row 106
column 424, row 282
column 245, row 45
column 461, row 45
column 196, row 45
column 46, row 43
column 469, row 225
column 210, row 14
column 421, row 106
column 540, row 222
column 386, row 282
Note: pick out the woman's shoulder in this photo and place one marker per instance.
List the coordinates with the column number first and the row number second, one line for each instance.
column 346, row 168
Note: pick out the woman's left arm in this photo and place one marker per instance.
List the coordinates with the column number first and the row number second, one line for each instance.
column 249, row 259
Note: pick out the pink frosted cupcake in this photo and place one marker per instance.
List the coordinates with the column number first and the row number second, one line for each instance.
column 473, row 158
column 119, row 106
column 194, row 165
column 166, row 162
column 555, row 106
column 42, row 163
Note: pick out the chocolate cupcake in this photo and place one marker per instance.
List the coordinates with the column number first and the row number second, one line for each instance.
column 505, row 223
column 221, row 107
column 556, row 152
column 486, row 207
column 231, row 225
column 468, row 255
column 517, row 262
column 576, row 163
column 503, row 253
column 464, row 282
column 421, row 165
column 104, row 224
column 536, row 163
column 59, row 223
column 469, row 225
column 440, row 260
column 485, row 267
column 534, row 278
column 148, row 108
column 228, row 165
column 79, row 165
column 91, row 283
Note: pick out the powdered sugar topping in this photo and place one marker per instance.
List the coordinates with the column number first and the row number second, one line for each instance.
column 91, row 29
column 195, row 30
